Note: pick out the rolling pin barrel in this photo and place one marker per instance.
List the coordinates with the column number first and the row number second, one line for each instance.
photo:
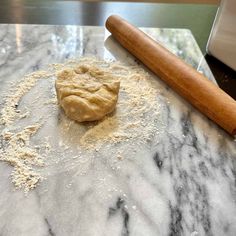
column 185, row 80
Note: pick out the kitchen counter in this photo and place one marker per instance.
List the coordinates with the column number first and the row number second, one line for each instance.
column 181, row 182
column 196, row 17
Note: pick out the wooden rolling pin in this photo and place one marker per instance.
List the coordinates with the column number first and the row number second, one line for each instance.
column 189, row 83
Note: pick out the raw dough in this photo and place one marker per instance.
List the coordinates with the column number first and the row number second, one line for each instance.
column 84, row 93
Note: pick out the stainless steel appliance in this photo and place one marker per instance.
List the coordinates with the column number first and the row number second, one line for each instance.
column 222, row 40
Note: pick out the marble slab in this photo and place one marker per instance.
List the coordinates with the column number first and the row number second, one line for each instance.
column 182, row 183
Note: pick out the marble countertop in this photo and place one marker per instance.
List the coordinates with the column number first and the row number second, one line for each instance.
column 182, row 183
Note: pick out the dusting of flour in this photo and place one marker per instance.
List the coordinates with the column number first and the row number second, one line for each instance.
column 15, row 146
column 18, row 153
column 133, row 121
column 136, row 111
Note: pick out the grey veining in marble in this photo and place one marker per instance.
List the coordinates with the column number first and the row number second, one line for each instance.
column 182, row 183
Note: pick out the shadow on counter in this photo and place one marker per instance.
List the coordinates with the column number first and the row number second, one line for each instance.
column 224, row 75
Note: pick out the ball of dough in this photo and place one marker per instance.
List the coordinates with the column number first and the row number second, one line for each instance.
column 84, row 95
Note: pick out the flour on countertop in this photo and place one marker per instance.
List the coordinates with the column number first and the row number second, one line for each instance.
column 136, row 112
column 10, row 112
column 17, row 152
column 132, row 123
column 16, row 149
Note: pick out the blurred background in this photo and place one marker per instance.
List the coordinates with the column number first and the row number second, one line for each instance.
column 196, row 15
column 162, row 14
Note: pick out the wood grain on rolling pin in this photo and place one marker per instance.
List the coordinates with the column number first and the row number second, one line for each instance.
column 189, row 83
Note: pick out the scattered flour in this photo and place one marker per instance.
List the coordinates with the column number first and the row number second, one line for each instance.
column 10, row 112
column 15, row 148
column 134, row 119
column 136, row 111
column 18, row 153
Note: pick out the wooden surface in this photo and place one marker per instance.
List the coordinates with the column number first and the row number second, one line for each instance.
column 185, row 80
